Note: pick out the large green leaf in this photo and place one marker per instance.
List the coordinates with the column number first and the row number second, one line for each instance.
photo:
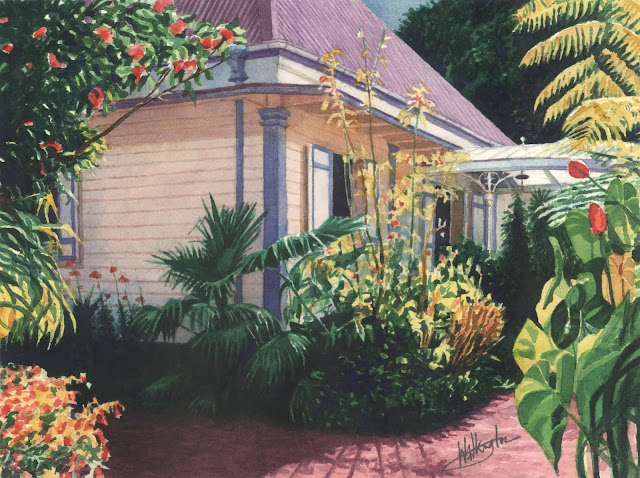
column 543, row 398
column 621, row 201
column 585, row 244
column 290, row 247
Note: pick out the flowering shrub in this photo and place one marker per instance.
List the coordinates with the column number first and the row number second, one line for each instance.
column 43, row 433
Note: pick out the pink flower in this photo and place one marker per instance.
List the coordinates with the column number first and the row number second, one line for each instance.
column 190, row 67
column 4, row 20
column 96, row 97
column 578, row 169
column 138, row 72
column 53, row 61
column 160, row 5
column 395, row 223
column 597, row 219
column 178, row 27
column 136, row 51
column 105, row 34
column 40, row 33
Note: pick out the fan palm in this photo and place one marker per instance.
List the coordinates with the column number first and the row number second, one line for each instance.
column 597, row 94
column 238, row 342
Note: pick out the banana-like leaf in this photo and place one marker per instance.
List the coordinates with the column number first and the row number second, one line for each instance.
column 291, row 247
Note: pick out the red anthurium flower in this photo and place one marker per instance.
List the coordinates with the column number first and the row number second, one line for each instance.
column 178, row 27
column 140, row 300
column 160, row 5
column 190, row 67
column 95, row 275
column 4, row 20
column 7, row 48
column 138, row 72
column 69, row 263
column 74, row 273
column 40, row 33
column 208, row 43
column 105, row 34
column 53, row 61
column 96, row 97
column 122, row 279
column 113, row 269
column 395, row 223
column 136, row 51
column 597, row 219
column 226, row 34
column 578, row 169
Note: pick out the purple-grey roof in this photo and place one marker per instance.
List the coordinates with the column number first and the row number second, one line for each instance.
column 318, row 26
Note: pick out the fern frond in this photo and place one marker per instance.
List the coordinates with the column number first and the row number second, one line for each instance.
column 567, row 78
column 536, row 17
column 626, row 41
column 603, row 120
column 596, row 86
column 576, row 39
column 626, row 12
column 627, row 78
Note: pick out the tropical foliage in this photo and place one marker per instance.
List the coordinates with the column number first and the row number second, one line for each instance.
column 238, row 342
column 43, row 432
column 596, row 93
column 61, row 63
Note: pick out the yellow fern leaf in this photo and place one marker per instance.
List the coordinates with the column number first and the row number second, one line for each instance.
column 568, row 77
column 626, row 12
column 575, row 40
column 625, row 76
column 627, row 42
column 596, row 86
column 532, row 19
column 603, row 120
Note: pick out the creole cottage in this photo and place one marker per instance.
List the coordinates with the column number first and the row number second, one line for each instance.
column 258, row 134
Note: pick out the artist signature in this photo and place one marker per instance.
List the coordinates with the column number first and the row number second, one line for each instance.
column 469, row 453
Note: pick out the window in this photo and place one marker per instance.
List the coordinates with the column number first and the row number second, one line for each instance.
column 477, row 218
column 67, row 210
column 328, row 190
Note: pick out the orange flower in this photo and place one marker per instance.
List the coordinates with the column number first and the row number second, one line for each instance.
column 160, row 5
column 208, row 43
column 105, row 34
column 53, row 61
column 136, row 51
column 178, row 27
column 138, row 72
column 7, row 48
column 40, row 33
column 226, row 34
column 113, row 269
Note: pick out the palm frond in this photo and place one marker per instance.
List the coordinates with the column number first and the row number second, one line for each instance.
column 595, row 86
column 281, row 359
column 240, row 327
column 573, row 40
column 567, row 78
column 291, row 247
column 628, row 79
column 626, row 12
column 164, row 321
column 165, row 388
column 537, row 15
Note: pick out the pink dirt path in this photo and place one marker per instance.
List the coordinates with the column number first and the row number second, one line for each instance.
column 174, row 447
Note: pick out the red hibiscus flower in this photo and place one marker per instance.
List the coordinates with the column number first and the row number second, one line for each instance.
column 190, row 67
column 138, row 72
column 105, row 34
column 40, row 33
column 96, row 97
column 69, row 263
column 226, row 34
column 4, row 20
column 122, row 279
column 139, row 300
column 208, row 43
column 178, row 27
column 74, row 273
column 7, row 48
column 597, row 219
column 136, row 51
column 95, row 275
column 395, row 223
column 113, row 269
column 53, row 61
column 160, row 5
column 56, row 146
column 578, row 169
